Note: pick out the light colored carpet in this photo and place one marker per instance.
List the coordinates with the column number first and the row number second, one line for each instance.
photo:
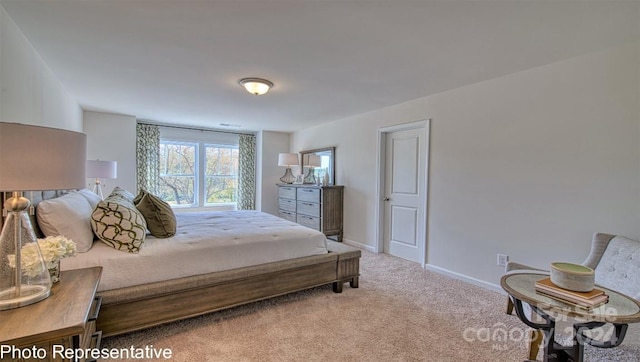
column 401, row 312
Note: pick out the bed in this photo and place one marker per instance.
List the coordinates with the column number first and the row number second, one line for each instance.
column 215, row 260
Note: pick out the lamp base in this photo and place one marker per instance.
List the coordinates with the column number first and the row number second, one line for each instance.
column 23, row 273
column 310, row 178
column 288, row 177
column 29, row 294
column 97, row 189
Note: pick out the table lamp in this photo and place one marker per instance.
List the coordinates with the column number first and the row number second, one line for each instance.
column 101, row 169
column 32, row 158
column 287, row 160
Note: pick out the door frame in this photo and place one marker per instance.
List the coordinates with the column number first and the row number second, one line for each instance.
column 380, row 175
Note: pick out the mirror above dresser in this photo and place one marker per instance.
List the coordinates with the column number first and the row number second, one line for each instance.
column 318, row 161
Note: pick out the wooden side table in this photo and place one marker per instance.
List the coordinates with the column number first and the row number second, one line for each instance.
column 619, row 311
column 65, row 320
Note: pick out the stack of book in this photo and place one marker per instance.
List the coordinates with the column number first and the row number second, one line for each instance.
column 586, row 300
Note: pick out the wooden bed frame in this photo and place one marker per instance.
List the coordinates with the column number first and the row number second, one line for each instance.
column 133, row 308
column 129, row 309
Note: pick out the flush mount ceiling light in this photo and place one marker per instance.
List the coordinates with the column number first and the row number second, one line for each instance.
column 256, row 86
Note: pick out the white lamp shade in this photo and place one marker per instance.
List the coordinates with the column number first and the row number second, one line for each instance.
column 41, row 158
column 314, row 160
column 288, row 159
column 102, row 169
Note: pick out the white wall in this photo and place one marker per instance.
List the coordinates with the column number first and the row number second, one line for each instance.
column 112, row 137
column 269, row 145
column 530, row 164
column 30, row 93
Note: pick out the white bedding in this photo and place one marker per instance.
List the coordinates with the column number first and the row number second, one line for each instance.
column 205, row 242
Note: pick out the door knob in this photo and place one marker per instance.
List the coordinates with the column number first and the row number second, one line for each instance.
column 386, row 199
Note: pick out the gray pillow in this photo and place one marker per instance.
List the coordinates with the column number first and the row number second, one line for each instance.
column 91, row 197
column 161, row 221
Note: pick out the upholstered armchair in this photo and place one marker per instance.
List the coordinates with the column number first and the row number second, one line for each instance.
column 616, row 261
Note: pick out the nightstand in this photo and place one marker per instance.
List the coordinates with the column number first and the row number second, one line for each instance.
column 64, row 321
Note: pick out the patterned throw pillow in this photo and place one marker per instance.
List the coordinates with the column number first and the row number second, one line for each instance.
column 118, row 223
column 122, row 193
column 161, row 221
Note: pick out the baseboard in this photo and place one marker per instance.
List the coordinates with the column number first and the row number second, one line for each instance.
column 359, row 245
column 437, row 269
column 465, row 278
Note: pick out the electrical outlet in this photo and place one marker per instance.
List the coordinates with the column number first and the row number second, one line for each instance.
column 503, row 259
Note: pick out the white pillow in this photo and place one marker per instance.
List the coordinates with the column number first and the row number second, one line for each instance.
column 91, row 196
column 69, row 216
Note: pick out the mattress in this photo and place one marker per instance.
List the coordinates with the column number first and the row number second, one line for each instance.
column 205, row 242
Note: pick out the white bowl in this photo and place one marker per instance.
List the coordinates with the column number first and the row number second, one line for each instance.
column 571, row 276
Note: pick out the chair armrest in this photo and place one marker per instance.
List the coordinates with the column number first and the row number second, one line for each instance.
column 513, row 266
column 598, row 246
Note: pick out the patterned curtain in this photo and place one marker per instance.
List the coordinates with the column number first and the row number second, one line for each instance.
column 246, row 172
column 148, row 157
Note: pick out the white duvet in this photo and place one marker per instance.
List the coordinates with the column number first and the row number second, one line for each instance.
column 205, row 242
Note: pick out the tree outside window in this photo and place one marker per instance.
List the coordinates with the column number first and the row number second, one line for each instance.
column 181, row 180
column 221, row 174
column 178, row 173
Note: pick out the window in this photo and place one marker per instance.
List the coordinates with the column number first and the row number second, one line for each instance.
column 221, row 174
column 198, row 174
column 178, row 171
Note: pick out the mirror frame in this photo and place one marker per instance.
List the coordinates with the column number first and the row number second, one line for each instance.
column 332, row 161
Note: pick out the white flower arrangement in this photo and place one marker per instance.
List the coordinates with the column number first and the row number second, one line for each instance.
column 55, row 248
column 52, row 248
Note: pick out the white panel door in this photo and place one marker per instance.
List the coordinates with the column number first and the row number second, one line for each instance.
column 404, row 199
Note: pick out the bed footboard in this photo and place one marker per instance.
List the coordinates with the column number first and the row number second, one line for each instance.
column 348, row 265
column 135, row 308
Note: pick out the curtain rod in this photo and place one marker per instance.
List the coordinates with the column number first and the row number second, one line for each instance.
column 194, row 128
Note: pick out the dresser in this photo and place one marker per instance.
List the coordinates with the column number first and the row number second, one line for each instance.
column 316, row 207
column 55, row 328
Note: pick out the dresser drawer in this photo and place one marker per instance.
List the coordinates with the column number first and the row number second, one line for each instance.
column 287, row 204
column 287, row 215
column 310, row 194
column 287, row 192
column 309, row 208
column 309, row 221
